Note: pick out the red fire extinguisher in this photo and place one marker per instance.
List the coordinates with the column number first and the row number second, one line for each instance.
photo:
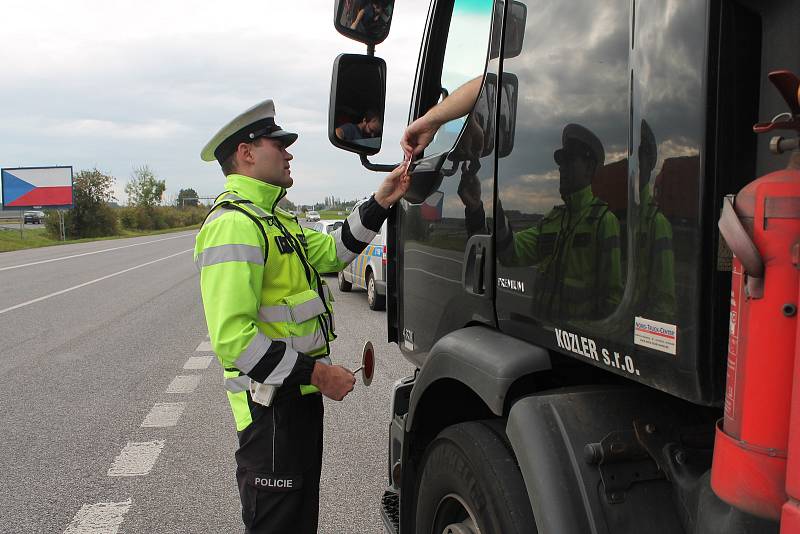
column 756, row 465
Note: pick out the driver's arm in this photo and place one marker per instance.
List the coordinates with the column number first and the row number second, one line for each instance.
column 419, row 133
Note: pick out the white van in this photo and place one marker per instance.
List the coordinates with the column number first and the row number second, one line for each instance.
column 368, row 271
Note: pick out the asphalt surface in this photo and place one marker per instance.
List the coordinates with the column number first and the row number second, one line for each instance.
column 93, row 336
column 8, row 225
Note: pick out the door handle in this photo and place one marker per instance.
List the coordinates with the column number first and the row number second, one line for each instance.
column 475, row 271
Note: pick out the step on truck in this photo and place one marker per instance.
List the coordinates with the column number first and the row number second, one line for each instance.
column 597, row 289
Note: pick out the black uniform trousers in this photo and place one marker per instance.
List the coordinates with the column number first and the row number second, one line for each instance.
column 279, row 462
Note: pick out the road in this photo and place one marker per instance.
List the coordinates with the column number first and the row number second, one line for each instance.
column 14, row 225
column 115, row 418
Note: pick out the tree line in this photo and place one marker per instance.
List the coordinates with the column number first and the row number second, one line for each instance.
column 94, row 212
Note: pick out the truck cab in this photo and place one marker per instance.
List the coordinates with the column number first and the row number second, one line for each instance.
column 556, row 273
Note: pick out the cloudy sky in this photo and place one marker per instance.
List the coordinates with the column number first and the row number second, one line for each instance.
column 115, row 85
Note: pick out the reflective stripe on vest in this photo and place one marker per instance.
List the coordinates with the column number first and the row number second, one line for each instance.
column 225, row 253
column 238, row 384
column 299, row 313
column 306, row 344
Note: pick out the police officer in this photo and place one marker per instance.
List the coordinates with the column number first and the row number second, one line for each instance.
column 270, row 317
column 574, row 249
column 655, row 257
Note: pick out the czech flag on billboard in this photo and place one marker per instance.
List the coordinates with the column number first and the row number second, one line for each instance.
column 37, row 187
column 431, row 209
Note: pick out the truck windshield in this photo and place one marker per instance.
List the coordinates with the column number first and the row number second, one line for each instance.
column 464, row 59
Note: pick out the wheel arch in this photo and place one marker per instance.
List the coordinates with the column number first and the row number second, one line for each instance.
column 486, row 362
column 466, row 377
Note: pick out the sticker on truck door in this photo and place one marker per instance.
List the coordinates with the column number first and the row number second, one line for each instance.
column 655, row 335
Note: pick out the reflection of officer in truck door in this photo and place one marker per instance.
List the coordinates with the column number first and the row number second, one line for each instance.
column 655, row 259
column 575, row 249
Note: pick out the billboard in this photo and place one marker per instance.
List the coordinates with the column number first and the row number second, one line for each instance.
column 44, row 187
column 431, row 209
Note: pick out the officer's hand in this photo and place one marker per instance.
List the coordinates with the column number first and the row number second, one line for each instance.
column 333, row 381
column 393, row 187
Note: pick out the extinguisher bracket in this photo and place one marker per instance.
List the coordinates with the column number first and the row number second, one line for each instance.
column 754, row 287
column 743, row 247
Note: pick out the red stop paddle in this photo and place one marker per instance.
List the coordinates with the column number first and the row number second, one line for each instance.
column 367, row 363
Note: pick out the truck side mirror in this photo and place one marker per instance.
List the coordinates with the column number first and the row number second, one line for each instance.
column 366, row 21
column 507, row 119
column 358, row 101
column 515, row 29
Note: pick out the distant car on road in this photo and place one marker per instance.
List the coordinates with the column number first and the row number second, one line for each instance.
column 328, row 226
column 312, row 215
column 33, row 217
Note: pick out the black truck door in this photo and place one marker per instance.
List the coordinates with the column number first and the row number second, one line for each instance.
column 446, row 259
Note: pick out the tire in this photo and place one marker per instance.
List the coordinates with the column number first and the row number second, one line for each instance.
column 470, row 483
column 344, row 285
column 376, row 302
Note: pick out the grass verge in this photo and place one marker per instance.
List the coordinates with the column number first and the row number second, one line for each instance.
column 332, row 214
column 35, row 238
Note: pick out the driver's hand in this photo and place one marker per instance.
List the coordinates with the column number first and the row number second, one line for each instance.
column 417, row 136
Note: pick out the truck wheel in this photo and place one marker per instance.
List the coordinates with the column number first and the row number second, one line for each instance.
column 344, row 285
column 376, row 302
column 471, row 484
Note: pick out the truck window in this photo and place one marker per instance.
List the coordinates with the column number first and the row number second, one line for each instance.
column 437, row 232
column 464, row 59
column 563, row 194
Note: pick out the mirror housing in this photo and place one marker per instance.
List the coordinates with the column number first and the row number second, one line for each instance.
column 358, row 102
column 515, row 29
column 367, row 21
column 507, row 118
column 426, row 177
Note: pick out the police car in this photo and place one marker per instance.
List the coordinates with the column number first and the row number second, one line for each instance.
column 368, row 271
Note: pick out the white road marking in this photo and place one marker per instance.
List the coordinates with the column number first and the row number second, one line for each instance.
column 90, row 253
column 106, row 277
column 100, row 518
column 205, row 346
column 164, row 414
column 136, row 459
column 198, row 362
column 183, row 384
column 460, row 262
column 429, row 274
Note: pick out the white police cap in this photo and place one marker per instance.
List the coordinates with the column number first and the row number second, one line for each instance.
column 587, row 138
column 258, row 121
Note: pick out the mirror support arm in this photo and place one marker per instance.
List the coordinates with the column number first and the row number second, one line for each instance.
column 380, row 167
